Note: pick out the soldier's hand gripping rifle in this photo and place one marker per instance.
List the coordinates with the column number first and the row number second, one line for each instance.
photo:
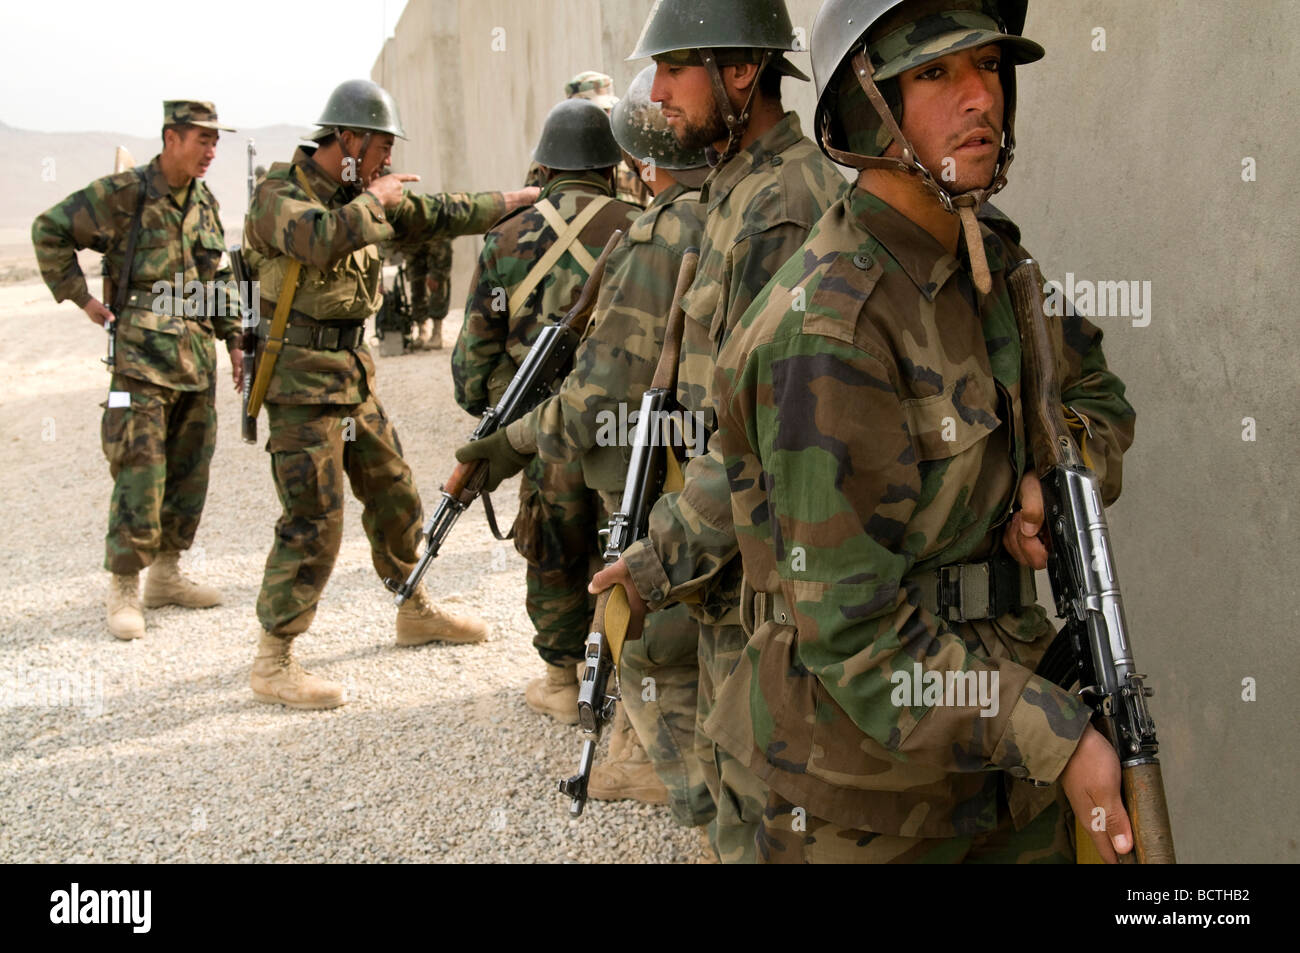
column 645, row 480
column 542, row 371
column 1093, row 645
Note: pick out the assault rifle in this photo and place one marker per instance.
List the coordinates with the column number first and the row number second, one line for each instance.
column 394, row 316
column 547, row 363
column 645, row 481
column 1093, row 645
column 248, row 340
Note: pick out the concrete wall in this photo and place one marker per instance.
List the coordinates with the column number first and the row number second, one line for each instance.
column 1129, row 167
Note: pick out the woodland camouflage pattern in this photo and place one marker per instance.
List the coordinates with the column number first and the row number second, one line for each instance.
column 555, row 530
column 335, row 238
column 836, row 510
column 158, row 448
column 760, row 205
column 326, row 423
column 493, row 343
column 917, row 33
column 614, row 366
column 166, row 350
column 428, row 269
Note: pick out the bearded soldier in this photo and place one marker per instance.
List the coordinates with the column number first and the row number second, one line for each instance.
column 886, row 505
column 612, row 369
column 159, row 427
column 531, row 271
column 719, row 70
column 316, row 221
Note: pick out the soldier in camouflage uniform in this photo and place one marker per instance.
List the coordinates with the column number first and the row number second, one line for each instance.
column 848, row 521
column 159, row 426
column 532, row 269
column 599, row 89
column 769, row 187
column 613, row 367
column 428, row 268
column 326, row 210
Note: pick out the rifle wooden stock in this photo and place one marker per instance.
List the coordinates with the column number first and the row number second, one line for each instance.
column 665, row 375
column 466, row 481
column 1144, row 795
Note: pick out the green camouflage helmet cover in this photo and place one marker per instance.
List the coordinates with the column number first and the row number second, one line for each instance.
column 642, row 131
column 576, row 136
column 362, row 105
column 901, row 35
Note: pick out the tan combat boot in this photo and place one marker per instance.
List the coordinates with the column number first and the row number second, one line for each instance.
column 125, row 620
column 555, row 693
column 278, row 679
column 165, row 586
column 434, row 341
column 419, row 621
column 627, row 773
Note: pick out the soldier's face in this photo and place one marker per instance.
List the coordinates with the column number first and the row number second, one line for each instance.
column 193, row 149
column 688, row 104
column 378, row 157
column 952, row 115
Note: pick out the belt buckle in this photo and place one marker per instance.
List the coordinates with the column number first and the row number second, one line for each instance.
column 964, row 591
column 329, row 339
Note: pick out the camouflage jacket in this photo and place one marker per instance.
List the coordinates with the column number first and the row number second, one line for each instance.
column 761, row 205
column 167, row 349
column 492, row 341
column 839, row 511
column 335, row 236
column 594, row 414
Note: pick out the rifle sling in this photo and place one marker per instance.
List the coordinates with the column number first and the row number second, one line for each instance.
column 490, row 512
column 123, row 288
column 567, row 241
column 275, row 338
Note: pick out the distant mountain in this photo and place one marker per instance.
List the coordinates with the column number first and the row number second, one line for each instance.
column 40, row 168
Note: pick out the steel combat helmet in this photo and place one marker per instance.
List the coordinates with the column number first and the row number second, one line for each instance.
column 362, row 105
column 642, row 132
column 576, row 137
column 860, row 47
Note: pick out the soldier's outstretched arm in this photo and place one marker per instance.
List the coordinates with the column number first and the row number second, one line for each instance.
column 448, row 214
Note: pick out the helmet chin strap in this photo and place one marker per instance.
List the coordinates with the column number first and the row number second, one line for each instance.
column 736, row 125
column 356, row 184
column 965, row 205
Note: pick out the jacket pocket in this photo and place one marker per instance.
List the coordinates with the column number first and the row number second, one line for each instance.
column 953, row 421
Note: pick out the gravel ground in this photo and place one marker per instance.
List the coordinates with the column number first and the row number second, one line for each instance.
column 155, row 751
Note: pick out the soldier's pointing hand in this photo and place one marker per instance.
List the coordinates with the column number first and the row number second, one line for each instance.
column 388, row 188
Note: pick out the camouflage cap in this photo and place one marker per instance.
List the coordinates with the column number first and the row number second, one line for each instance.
column 913, row 34
column 191, row 112
column 593, row 86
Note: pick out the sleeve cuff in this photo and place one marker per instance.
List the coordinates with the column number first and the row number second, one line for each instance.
column 648, row 573
column 80, row 298
column 522, row 438
column 1042, row 732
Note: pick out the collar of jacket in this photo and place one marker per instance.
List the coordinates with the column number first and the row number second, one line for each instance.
column 762, row 150
column 917, row 252
column 587, row 181
column 326, row 189
column 669, row 195
column 158, row 187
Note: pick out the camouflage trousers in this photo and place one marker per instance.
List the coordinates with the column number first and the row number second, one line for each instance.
column 659, row 678
column 313, row 447
column 159, row 450
column 740, row 795
column 789, row 837
column 555, row 532
column 429, row 274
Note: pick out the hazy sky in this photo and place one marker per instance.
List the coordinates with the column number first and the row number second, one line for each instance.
column 74, row 65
